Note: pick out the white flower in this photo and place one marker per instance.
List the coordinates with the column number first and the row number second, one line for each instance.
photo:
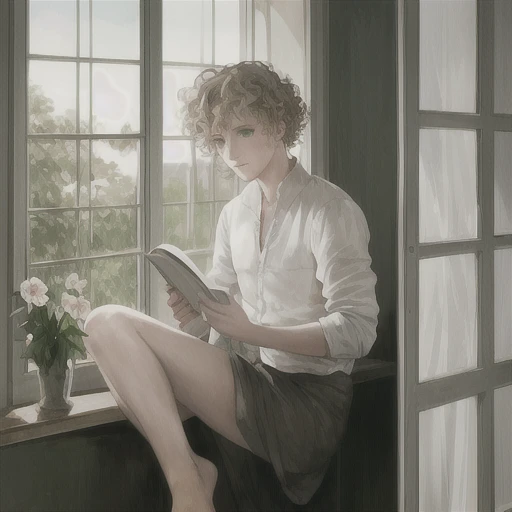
column 70, row 305
column 84, row 307
column 29, row 339
column 33, row 291
column 72, row 282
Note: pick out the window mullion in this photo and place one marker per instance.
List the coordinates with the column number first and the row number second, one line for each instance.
column 152, row 211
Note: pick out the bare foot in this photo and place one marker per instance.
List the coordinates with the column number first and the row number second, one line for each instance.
column 192, row 496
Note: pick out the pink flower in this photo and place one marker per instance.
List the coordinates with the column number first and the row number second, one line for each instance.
column 70, row 305
column 73, row 282
column 33, row 291
column 84, row 307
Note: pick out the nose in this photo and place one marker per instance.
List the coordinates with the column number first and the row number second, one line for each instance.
column 232, row 149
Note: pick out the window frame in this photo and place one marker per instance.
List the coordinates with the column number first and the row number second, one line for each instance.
column 22, row 386
column 415, row 396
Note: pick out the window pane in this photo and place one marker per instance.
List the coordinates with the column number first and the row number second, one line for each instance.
column 503, row 448
column 52, row 173
column 115, row 29
column 173, row 80
column 84, row 105
column 84, row 175
column 85, row 29
column 204, row 187
column 447, row 315
column 113, row 230
column 175, row 226
column 448, row 185
column 225, row 187
column 227, row 31
column 187, row 31
column 203, row 261
column 448, row 457
column 52, row 97
column 177, row 161
column 502, row 183
column 203, row 234
column 52, row 236
column 502, row 60
column 114, row 281
column 116, row 98
column 52, row 27
column 502, row 304
column 448, row 37
column 115, row 172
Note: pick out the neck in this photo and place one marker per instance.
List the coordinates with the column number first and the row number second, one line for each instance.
column 275, row 172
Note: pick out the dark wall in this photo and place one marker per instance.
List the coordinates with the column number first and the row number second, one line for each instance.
column 363, row 136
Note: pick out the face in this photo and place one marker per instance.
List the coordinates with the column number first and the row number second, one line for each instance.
column 246, row 147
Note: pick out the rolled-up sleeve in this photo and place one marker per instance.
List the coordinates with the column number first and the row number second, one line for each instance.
column 340, row 239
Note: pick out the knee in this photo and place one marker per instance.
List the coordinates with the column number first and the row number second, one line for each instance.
column 101, row 321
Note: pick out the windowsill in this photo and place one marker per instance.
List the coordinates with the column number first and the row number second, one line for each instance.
column 25, row 423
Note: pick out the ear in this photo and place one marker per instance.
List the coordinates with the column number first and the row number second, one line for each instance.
column 280, row 131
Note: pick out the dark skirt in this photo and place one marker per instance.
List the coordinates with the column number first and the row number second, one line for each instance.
column 294, row 421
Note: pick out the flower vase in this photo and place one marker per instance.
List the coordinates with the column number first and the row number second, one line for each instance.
column 55, row 387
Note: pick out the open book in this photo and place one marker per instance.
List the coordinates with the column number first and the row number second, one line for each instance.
column 181, row 272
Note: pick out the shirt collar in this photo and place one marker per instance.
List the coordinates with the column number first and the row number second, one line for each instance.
column 287, row 190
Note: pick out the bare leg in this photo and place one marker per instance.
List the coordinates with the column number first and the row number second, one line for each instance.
column 152, row 401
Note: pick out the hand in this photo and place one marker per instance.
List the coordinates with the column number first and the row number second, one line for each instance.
column 182, row 310
column 230, row 320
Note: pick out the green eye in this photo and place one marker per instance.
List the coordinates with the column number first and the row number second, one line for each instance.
column 247, row 132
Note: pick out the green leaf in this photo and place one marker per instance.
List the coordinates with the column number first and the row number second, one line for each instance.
column 73, row 330
column 19, row 310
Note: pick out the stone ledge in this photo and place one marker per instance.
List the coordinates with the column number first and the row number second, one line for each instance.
column 28, row 422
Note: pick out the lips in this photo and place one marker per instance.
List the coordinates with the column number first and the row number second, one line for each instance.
column 241, row 165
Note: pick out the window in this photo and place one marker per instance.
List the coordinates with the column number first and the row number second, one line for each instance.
column 103, row 173
column 456, row 171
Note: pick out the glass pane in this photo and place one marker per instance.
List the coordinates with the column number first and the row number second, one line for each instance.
column 218, row 210
column 502, row 52
column 448, row 44
column 52, row 27
column 225, row 187
column 227, row 31
column 188, row 21
column 287, row 43
column 503, row 448
column 113, row 230
column 52, row 236
column 260, row 31
column 448, row 185
column 85, row 27
column 447, row 315
column 115, row 29
column 175, row 226
column 84, row 175
column 203, row 233
column 204, row 176
column 502, row 183
column 173, row 80
column 52, row 173
column 177, row 161
column 84, row 105
column 115, row 172
column 448, row 457
column 114, row 281
column 503, row 304
column 116, row 98
column 52, row 97
column 84, row 234
column 203, row 261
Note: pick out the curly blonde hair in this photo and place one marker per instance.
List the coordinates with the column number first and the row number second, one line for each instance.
column 247, row 88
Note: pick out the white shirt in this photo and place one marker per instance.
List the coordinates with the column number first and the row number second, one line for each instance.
column 314, row 266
